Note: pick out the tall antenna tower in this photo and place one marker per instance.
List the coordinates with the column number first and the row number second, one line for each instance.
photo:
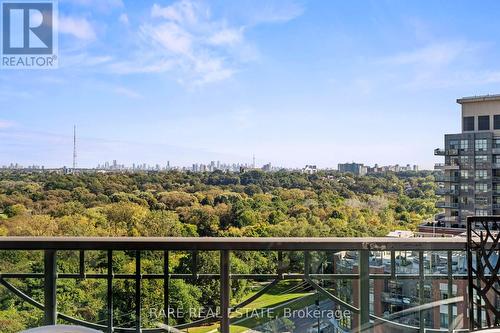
column 74, row 148
column 253, row 161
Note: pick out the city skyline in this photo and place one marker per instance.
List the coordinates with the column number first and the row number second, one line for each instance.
column 115, row 165
column 193, row 81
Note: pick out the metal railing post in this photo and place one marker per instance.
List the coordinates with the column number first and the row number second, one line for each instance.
column 364, row 291
column 307, row 263
column 421, row 289
column 109, row 294
column 50, row 287
column 138, row 277
column 450, row 291
column 281, row 265
column 166, row 283
column 225, row 290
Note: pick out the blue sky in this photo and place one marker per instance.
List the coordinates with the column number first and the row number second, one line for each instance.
column 293, row 82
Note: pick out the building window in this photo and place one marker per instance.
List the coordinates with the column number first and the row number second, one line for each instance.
column 464, row 174
column 454, row 144
column 443, row 320
column 481, row 212
column 468, row 124
column 481, row 145
column 481, row 174
column 483, row 123
column 481, row 187
column 481, row 158
column 464, row 187
column 496, row 122
column 464, row 145
column 464, row 160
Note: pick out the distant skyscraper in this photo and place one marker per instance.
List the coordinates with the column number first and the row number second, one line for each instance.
column 354, row 168
column 74, row 147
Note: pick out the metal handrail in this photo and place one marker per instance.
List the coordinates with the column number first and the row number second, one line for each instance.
column 51, row 245
column 229, row 243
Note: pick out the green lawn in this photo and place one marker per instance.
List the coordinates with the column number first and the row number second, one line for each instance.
column 273, row 299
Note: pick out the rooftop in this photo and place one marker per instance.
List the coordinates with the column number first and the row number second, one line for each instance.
column 480, row 98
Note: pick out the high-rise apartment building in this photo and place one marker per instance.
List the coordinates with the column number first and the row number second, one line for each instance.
column 354, row 168
column 470, row 181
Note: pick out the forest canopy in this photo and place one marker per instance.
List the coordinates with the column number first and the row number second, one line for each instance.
column 216, row 204
column 169, row 204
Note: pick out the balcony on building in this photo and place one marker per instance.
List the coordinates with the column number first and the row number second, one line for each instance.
column 446, row 179
column 450, row 205
column 446, row 191
column 444, row 167
column 439, row 166
column 483, row 165
column 439, row 152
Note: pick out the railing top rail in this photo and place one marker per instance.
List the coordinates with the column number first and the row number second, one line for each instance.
column 230, row 243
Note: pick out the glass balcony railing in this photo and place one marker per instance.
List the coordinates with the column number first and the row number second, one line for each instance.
column 302, row 284
column 446, row 179
column 443, row 152
column 446, row 191
column 439, row 152
column 439, row 166
column 483, row 165
column 443, row 204
column 442, row 166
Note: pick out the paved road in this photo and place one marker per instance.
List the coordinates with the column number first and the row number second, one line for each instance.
column 304, row 324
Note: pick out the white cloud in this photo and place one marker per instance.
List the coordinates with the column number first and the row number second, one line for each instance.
column 211, row 70
column 124, row 19
column 170, row 36
column 440, row 64
column 77, row 27
column 186, row 39
column 436, row 54
column 276, row 11
column 227, row 36
column 101, row 5
column 141, row 66
column 183, row 12
column 84, row 60
column 127, row 92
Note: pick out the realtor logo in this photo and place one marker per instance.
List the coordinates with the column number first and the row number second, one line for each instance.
column 28, row 34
